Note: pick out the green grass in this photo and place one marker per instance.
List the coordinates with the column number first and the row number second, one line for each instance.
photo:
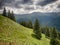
column 13, row 32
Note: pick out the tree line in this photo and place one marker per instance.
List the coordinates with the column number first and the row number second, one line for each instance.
column 27, row 24
column 8, row 14
column 50, row 32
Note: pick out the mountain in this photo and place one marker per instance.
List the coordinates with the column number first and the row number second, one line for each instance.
column 12, row 33
column 49, row 19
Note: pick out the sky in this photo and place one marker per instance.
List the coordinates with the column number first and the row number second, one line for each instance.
column 30, row 6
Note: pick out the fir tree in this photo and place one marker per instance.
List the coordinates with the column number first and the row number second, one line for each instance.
column 29, row 24
column 9, row 14
column 37, row 29
column 24, row 23
column 12, row 16
column 59, row 35
column 4, row 12
column 54, row 42
column 54, row 33
column 43, row 30
column 47, row 32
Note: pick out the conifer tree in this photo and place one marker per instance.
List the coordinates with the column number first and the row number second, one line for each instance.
column 47, row 32
column 37, row 29
column 54, row 42
column 54, row 33
column 4, row 12
column 9, row 14
column 43, row 30
column 29, row 24
column 12, row 16
column 24, row 23
column 59, row 35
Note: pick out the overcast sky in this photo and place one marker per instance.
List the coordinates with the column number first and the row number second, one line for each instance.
column 30, row 6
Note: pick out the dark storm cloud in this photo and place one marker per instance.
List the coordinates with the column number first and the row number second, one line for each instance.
column 58, row 6
column 45, row 2
column 29, row 8
column 1, row 3
column 14, row 3
column 27, row 1
column 8, row 1
column 19, row 1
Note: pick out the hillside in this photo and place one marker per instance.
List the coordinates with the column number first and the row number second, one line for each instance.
column 10, row 31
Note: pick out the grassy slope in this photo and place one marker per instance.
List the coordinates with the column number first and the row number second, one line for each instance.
column 13, row 32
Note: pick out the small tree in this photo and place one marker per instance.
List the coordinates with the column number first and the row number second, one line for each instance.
column 23, row 23
column 4, row 12
column 12, row 16
column 43, row 30
column 47, row 32
column 54, row 42
column 59, row 35
column 9, row 14
column 37, row 29
column 29, row 24
column 54, row 33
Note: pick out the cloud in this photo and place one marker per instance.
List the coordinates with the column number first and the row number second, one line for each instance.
column 45, row 2
column 58, row 6
column 30, row 6
column 27, row 1
column 1, row 3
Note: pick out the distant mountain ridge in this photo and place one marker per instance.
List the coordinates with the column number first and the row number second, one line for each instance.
column 49, row 19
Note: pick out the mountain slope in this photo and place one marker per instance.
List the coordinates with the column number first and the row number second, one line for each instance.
column 13, row 32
